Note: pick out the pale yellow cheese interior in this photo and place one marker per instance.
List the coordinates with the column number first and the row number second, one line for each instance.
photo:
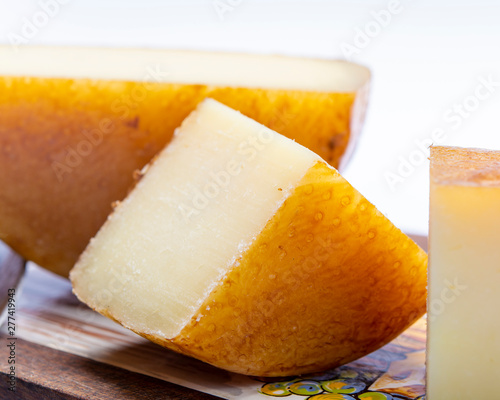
column 184, row 67
column 463, row 353
column 200, row 205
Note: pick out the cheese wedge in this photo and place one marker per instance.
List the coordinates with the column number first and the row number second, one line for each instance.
column 246, row 250
column 76, row 122
column 463, row 340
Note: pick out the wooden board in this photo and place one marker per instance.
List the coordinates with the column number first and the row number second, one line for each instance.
column 65, row 350
column 45, row 373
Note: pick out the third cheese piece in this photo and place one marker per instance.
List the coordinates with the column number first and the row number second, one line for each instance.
column 463, row 360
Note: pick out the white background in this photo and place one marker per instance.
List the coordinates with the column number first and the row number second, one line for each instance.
column 428, row 58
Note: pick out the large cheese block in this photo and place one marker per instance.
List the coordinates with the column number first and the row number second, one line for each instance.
column 248, row 251
column 76, row 122
column 463, row 350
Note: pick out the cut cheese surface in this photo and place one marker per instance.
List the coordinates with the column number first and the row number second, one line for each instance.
column 248, row 251
column 176, row 66
column 463, row 359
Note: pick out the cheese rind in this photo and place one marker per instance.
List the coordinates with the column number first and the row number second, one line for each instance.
column 328, row 280
column 463, row 344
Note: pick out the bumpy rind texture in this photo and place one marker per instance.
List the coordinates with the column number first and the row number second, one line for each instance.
column 328, row 280
column 465, row 166
column 68, row 148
